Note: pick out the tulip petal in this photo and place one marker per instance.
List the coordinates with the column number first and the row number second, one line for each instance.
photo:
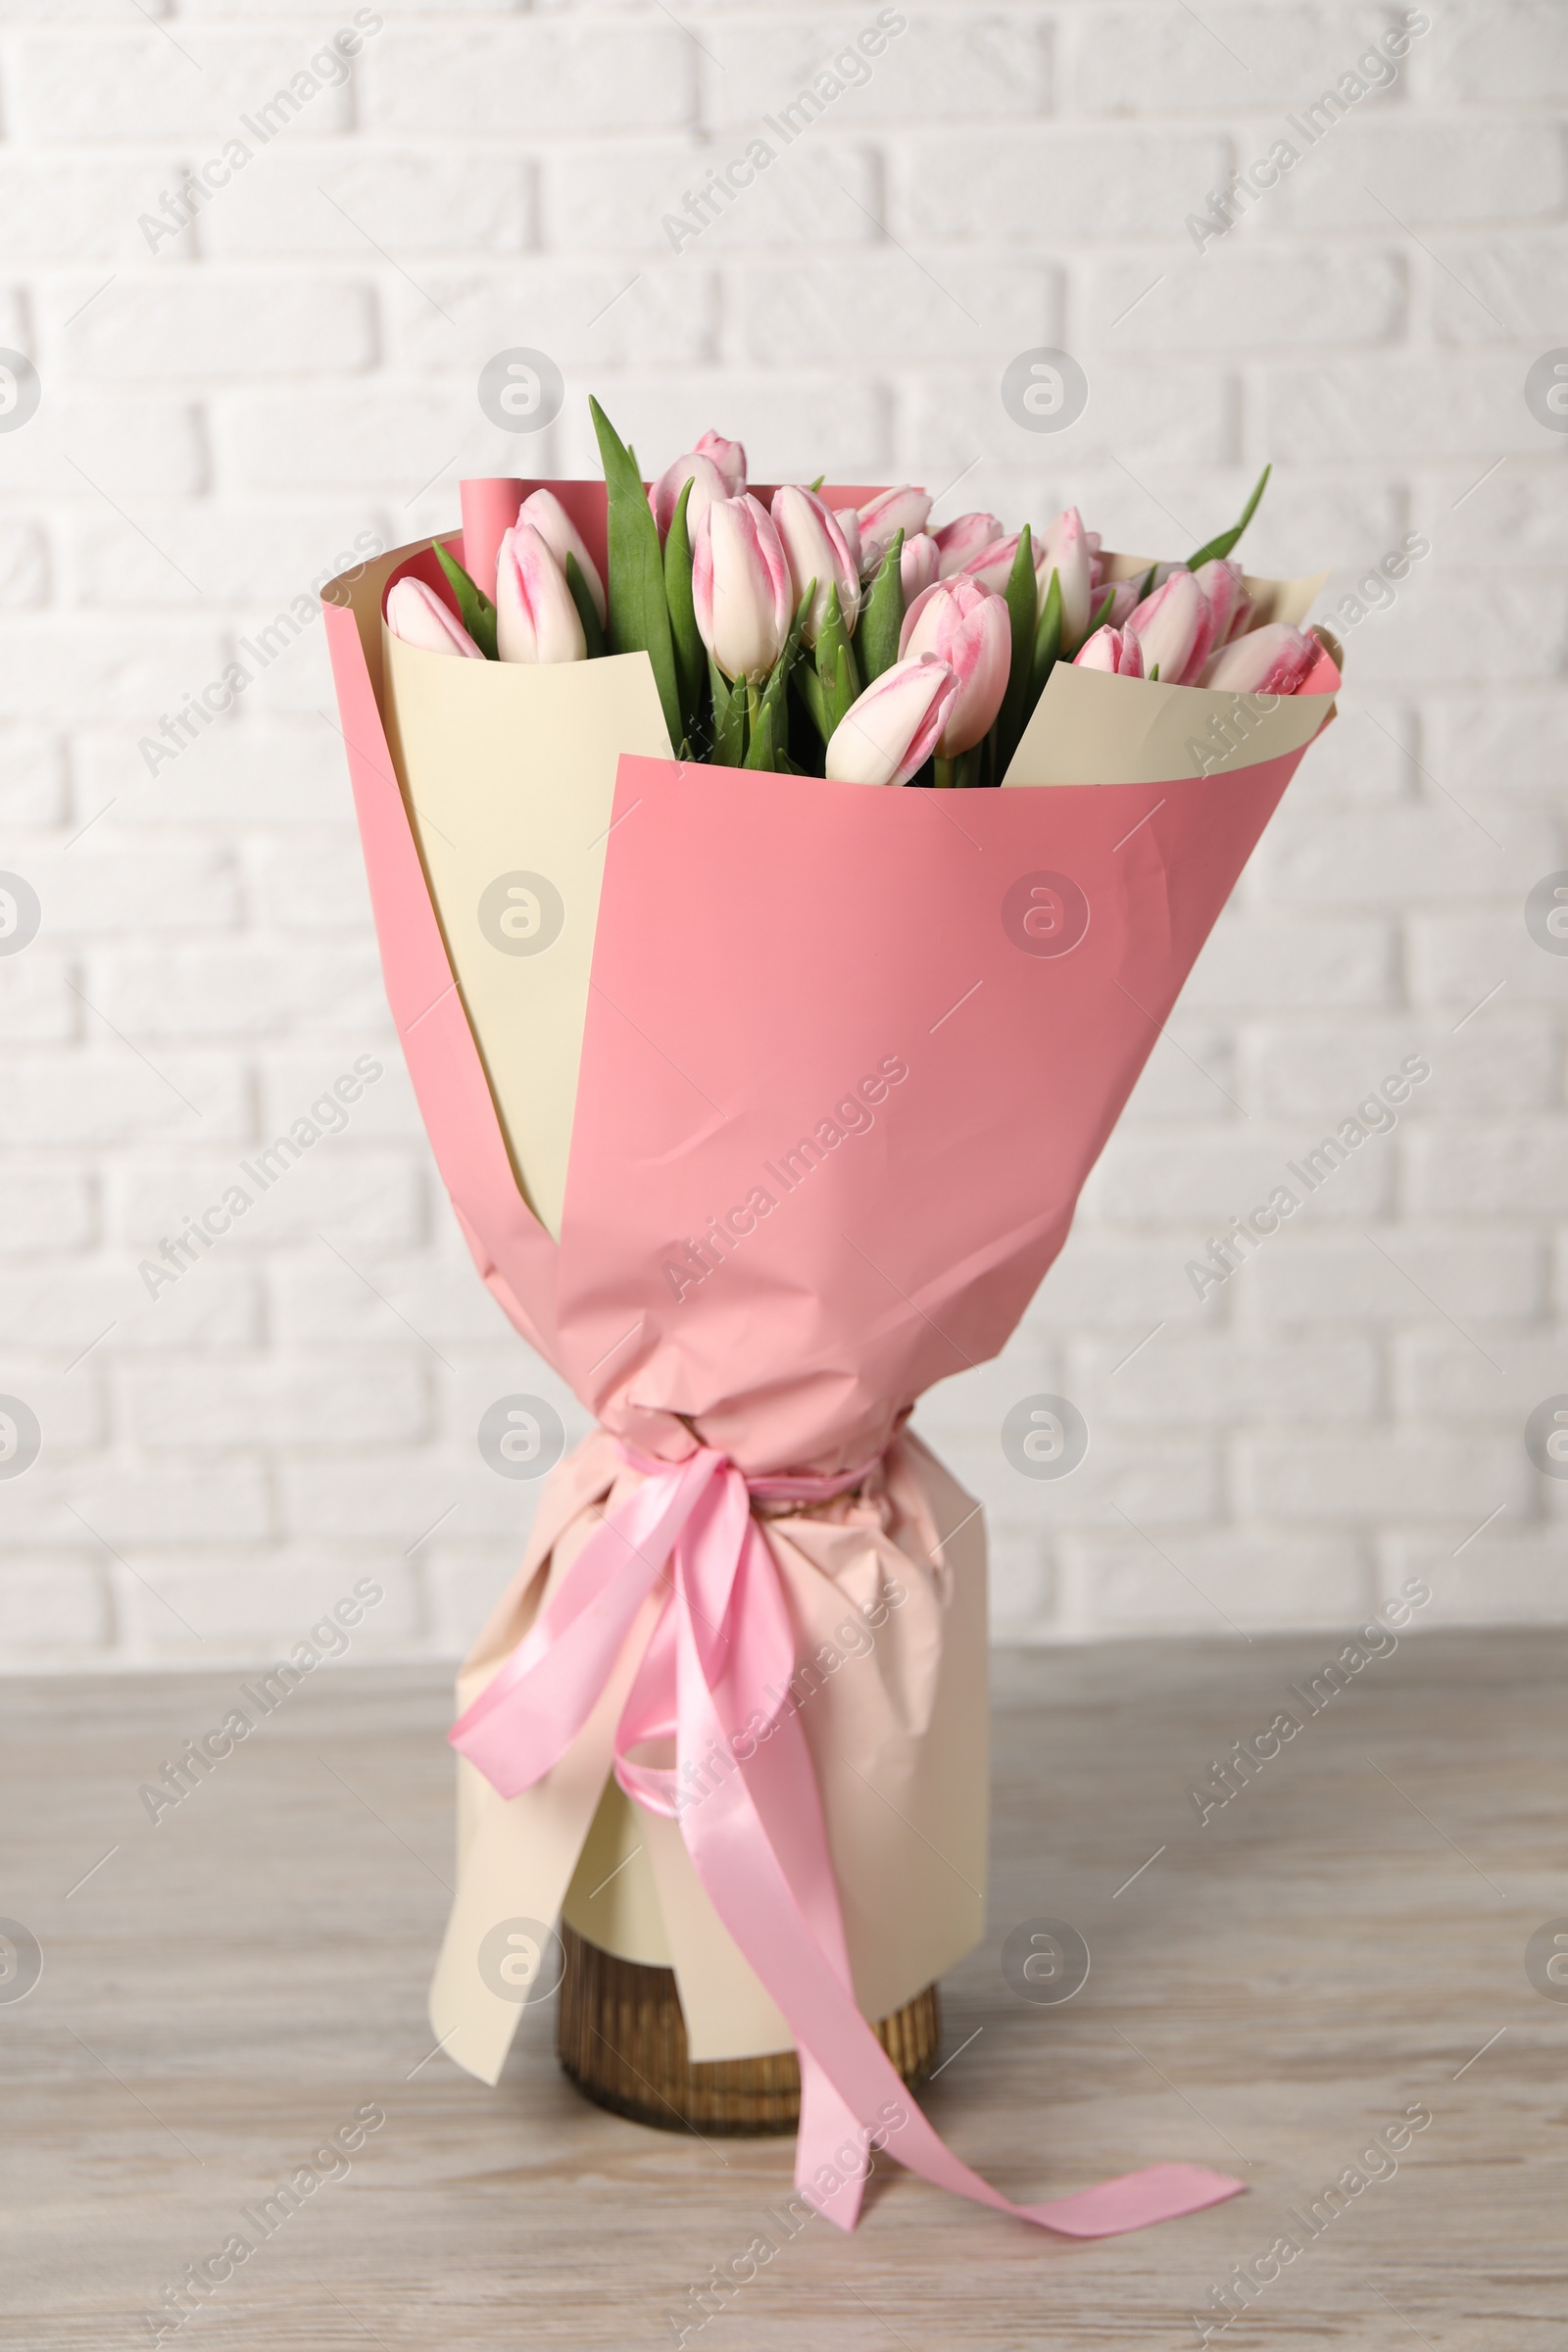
column 417, row 615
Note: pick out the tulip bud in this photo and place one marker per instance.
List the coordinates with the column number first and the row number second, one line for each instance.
column 815, row 549
column 1224, row 586
column 740, row 587
column 536, row 619
column 991, row 567
column 882, row 518
column 959, row 540
column 967, row 628
column 1175, row 628
column 1123, row 600
column 890, row 733
column 1115, row 650
column 728, row 456
column 554, row 527
column 707, row 482
column 1274, row 660
column 919, row 562
column 1064, row 549
column 417, row 615
column 848, row 520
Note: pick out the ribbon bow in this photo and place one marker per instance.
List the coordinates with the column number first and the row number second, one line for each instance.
column 714, row 1680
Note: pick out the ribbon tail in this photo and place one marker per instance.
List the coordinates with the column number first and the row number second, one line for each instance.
column 829, row 2138
column 758, row 1843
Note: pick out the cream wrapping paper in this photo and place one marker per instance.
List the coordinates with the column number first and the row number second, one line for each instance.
column 895, row 1714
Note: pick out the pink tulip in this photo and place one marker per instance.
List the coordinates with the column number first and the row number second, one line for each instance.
column 1275, row 660
column 882, row 518
column 990, row 567
column 815, row 549
column 962, row 538
column 1123, row 600
column 919, row 562
column 728, row 456
column 554, row 527
column 1115, row 650
column 536, row 620
column 1064, row 549
column 890, row 733
column 849, row 522
column 707, row 482
column 1224, row 586
column 1176, row 628
column 967, row 628
column 417, row 615
column 740, row 587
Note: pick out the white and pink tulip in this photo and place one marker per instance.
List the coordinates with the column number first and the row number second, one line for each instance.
column 920, row 563
column 728, row 456
column 707, row 485
column 959, row 541
column 554, row 527
column 894, row 728
column 1115, row 650
column 1175, row 627
column 991, row 565
column 967, row 628
column 1225, row 586
column 417, row 615
column 903, row 508
column 536, row 613
column 1064, row 549
column 816, row 549
column 1276, row 658
column 740, row 587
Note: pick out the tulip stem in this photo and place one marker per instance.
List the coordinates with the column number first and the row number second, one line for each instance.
column 946, row 774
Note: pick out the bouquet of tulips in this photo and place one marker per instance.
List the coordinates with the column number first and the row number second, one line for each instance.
column 718, row 1055
column 850, row 644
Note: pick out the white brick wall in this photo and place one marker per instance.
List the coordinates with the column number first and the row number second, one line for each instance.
column 220, row 417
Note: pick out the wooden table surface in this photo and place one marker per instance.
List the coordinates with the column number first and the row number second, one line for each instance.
column 1345, row 1940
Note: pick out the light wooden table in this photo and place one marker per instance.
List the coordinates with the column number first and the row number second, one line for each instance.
column 1343, row 1940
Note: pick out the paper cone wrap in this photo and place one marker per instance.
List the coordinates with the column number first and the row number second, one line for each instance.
column 785, row 1120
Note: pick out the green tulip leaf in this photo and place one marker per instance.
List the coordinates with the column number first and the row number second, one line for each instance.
column 1226, row 540
column 730, row 718
column 691, row 654
column 474, row 608
column 638, row 615
column 587, row 609
column 882, row 616
column 809, row 686
column 1022, row 598
column 760, row 752
column 1048, row 640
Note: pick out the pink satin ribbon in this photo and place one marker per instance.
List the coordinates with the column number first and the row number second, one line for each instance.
column 714, row 1680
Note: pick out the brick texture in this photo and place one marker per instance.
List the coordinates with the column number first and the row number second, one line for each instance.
column 227, row 402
